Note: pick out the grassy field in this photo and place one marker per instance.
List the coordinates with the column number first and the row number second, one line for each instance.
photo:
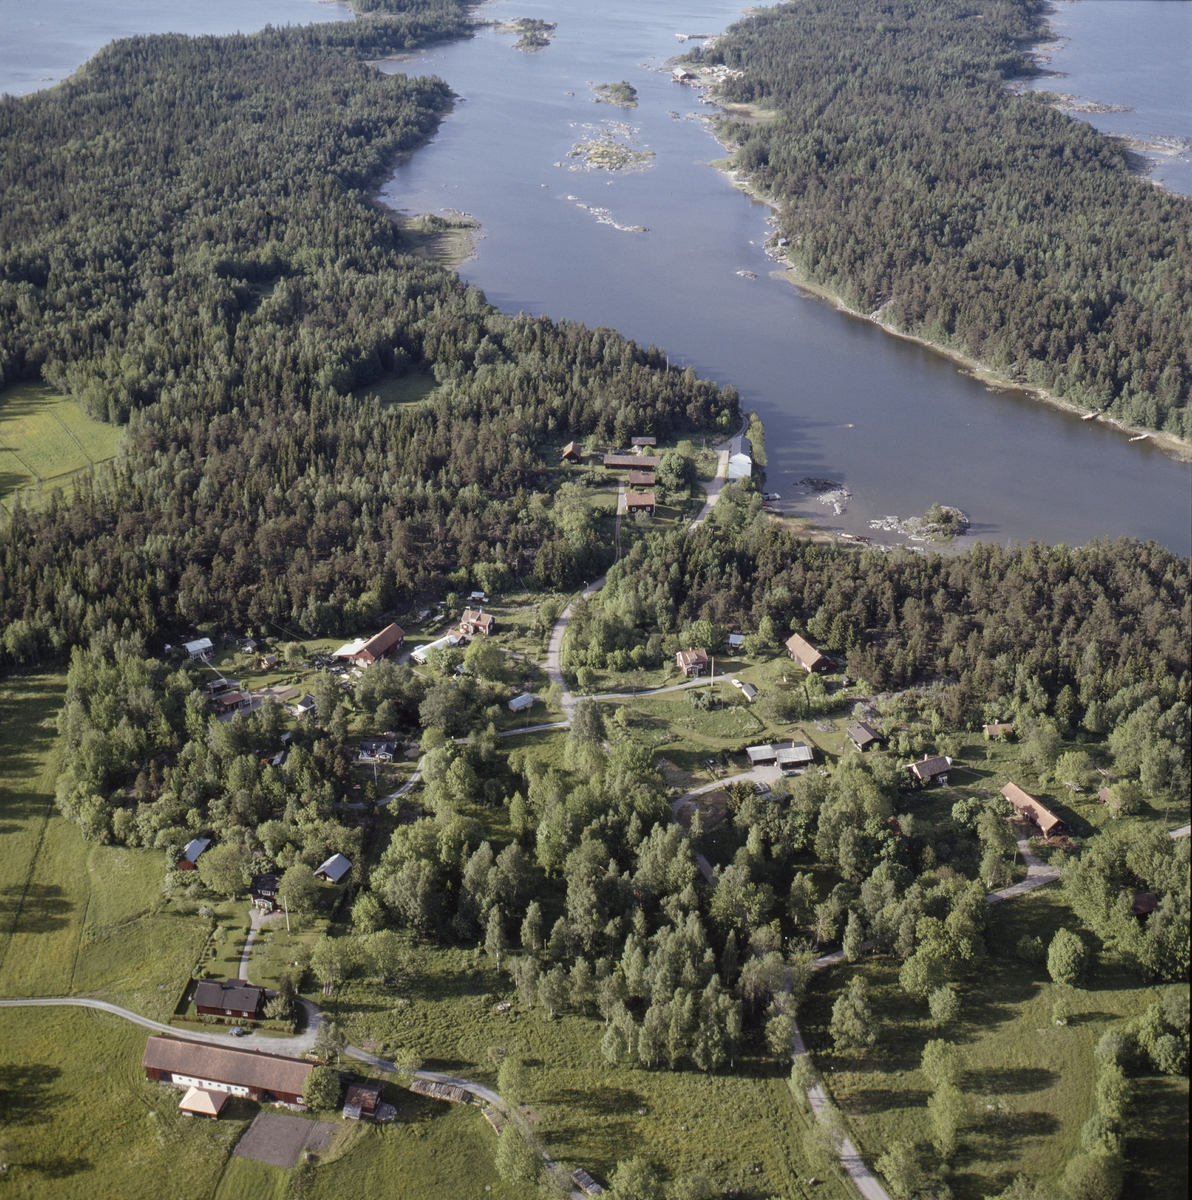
column 247, row 1179
column 411, row 388
column 46, row 438
column 1029, row 1083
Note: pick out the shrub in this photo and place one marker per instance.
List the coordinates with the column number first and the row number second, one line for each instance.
column 1093, row 1177
column 1101, row 1135
column 1067, row 957
column 322, row 1088
column 944, row 1004
column 1031, row 950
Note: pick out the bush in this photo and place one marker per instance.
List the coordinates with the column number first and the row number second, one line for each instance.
column 1031, row 950
column 1101, row 1135
column 322, row 1089
column 635, row 1179
column 1093, row 1177
column 944, row 1004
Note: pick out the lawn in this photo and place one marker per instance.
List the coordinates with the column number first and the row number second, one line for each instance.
column 82, row 1121
column 75, row 918
column 1029, row 1082
column 46, row 438
column 411, row 388
column 246, row 1179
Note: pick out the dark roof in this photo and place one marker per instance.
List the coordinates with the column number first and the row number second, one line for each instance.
column 265, row 885
column 639, row 500
column 1026, row 805
column 930, row 766
column 1144, row 904
column 632, row 461
column 363, row 1093
column 228, row 993
column 226, row 1064
column 641, row 478
column 644, row 441
column 863, row 733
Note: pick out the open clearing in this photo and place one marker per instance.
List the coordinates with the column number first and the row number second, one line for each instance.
column 45, row 438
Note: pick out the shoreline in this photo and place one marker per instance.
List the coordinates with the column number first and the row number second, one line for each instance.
column 1175, row 447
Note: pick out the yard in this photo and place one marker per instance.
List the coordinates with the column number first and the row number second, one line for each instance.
column 46, row 438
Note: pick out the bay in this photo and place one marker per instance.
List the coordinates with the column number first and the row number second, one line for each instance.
column 897, row 425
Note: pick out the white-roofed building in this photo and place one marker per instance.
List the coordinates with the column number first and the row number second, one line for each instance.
column 191, row 852
column 761, row 755
column 522, row 703
column 740, row 458
column 202, row 648
column 334, row 869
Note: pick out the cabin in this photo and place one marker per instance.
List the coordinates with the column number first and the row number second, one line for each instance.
column 931, row 770
column 199, row 650
column 476, row 620
column 478, row 598
column 749, row 692
column 362, row 1099
column 268, row 662
column 363, row 652
column 682, row 75
column 572, row 452
column 640, row 445
column 1027, row 808
column 334, row 869
column 236, row 1072
column 304, row 707
column 1002, row 729
column 795, row 758
column 692, row 663
column 641, row 479
column 214, row 686
column 230, row 702
column 229, row 998
column 250, row 646
column 735, row 641
column 522, row 703
column 862, row 734
column 630, row 462
column 806, row 655
column 740, row 458
column 636, row 502
column 761, row 756
column 443, row 643
column 190, row 854
column 586, row 1183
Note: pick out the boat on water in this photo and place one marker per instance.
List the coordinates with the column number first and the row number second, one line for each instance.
column 1090, row 416
column 1142, row 437
column 771, row 496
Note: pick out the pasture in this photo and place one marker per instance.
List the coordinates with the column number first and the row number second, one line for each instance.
column 45, row 438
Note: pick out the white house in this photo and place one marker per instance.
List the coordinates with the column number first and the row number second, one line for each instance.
column 191, row 852
column 740, row 458
column 200, row 649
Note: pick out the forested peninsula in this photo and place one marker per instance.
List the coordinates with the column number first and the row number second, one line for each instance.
column 188, row 245
column 913, row 185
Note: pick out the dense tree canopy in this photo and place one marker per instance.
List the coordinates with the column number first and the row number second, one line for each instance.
column 910, row 180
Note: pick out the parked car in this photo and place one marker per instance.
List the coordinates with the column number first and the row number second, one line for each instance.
column 236, row 1031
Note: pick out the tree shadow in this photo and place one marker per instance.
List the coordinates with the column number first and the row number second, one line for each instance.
column 25, row 1093
column 873, row 1100
column 38, row 908
column 1009, row 1081
column 1157, row 1147
column 1004, row 1133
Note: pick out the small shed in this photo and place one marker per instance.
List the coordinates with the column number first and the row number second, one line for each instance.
column 572, row 452
column 419, row 655
column 1104, row 794
column 304, row 707
column 862, row 734
column 268, row 662
column 641, row 479
column 735, row 641
column 522, row 703
column 364, row 1096
column 749, row 692
column 760, row 756
column 692, row 663
column 334, row 869
column 642, row 444
column 806, row 655
column 228, row 702
column 200, row 649
column 199, row 1102
column 250, row 646
column 586, row 1183
column 636, row 502
column 1029, row 809
column 1001, row 729
column 191, row 852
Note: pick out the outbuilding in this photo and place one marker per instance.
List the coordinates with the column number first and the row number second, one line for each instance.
column 641, row 479
column 1027, row 808
column 692, row 663
column 931, row 770
column 1001, row 729
column 237, row 1072
column 362, row 1099
column 636, row 502
column 740, row 458
column 191, row 852
column 522, row 703
column 630, row 462
column 200, row 1102
column 642, row 444
column 760, row 756
column 443, row 643
column 572, row 452
column 806, row 655
column 749, row 692
column 334, row 869
column 794, row 758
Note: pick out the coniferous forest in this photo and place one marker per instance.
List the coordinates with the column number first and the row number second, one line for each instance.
column 913, row 182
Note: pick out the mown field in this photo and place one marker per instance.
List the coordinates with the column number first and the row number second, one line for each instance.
column 45, row 438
